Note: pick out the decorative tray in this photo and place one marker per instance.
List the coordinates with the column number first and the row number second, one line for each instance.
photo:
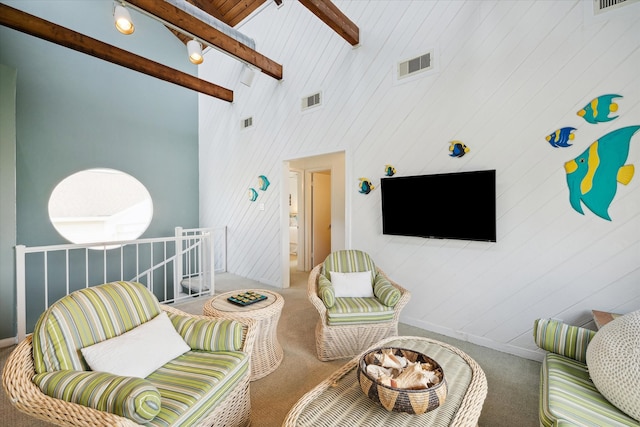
column 246, row 298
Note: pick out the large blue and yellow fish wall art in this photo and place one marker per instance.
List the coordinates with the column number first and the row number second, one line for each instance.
column 598, row 110
column 365, row 186
column 561, row 137
column 457, row 149
column 263, row 182
column 389, row 170
column 253, row 194
column 593, row 176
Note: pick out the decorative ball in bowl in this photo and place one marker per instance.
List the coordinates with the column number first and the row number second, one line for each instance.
column 402, row 380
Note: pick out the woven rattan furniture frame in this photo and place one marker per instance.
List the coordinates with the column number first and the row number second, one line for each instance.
column 233, row 410
column 342, row 341
column 267, row 351
column 339, row 401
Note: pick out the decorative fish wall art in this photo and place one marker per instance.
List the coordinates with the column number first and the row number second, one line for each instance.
column 253, row 194
column 598, row 110
column 365, row 186
column 263, row 182
column 561, row 137
column 457, row 149
column 389, row 170
column 593, row 176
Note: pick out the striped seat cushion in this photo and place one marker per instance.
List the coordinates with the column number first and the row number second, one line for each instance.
column 358, row 310
column 193, row 383
column 568, row 397
column 86, row 317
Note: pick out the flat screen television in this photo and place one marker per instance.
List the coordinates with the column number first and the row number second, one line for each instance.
column 460, row 205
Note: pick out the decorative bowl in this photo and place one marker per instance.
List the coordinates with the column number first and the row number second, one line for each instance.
column 411, row 401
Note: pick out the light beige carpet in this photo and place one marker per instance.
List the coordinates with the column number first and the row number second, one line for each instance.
column 513, row 382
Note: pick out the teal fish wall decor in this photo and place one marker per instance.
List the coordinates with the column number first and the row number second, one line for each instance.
column 457, row 149
column 561, row 137
column 593, row 176
column 389, row 170
column 263, row 182
column 365, row 186
column 598, row 109
column 253, row 194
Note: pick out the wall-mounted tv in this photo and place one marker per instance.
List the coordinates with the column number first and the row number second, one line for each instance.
column 460, row 205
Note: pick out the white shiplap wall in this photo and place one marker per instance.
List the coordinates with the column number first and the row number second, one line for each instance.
column 507, row 73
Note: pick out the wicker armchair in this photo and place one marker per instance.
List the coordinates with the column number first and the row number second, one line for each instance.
column 351, row 325
column 232, row 409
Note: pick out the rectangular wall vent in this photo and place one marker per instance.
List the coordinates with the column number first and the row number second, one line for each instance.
column 415, row 65
column 602, row 6
column 246, row 123
column 311, row 101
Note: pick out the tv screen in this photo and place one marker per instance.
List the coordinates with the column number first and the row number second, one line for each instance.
column 459, row 205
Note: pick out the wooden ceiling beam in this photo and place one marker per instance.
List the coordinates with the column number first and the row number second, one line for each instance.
column 334, row 18
column 37, row 27
column 177, row 17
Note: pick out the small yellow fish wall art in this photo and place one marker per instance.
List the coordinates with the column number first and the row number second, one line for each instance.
column 389, row 170
column 598, row 110
column 561, row 137
column 457, row 149
column 365, row 186
column 594, row 175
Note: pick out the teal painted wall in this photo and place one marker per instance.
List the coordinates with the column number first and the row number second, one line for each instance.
column 75, row 112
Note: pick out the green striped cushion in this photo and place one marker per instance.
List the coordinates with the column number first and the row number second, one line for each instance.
column 133, row 398
column 568, row 397
column 386, row 293
column 348, row 261
column 209, row 334
column 193, row 383
column 325, row 291
column 563, row 339
column 86, row 317
column 358, row 310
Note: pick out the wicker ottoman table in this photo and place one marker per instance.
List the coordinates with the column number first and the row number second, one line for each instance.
column 267, row 352
column 339, row 400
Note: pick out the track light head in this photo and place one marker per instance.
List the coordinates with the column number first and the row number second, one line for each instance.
column 122, row 19
column 194, row 48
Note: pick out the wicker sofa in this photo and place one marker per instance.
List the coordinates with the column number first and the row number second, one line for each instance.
column 349, row 325
column 568, row 395
column 49, row 374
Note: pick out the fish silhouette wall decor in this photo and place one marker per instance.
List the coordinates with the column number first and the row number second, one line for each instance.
column 389, row 170
column 263, row 182
column 365, row 186
column 253, row 194
column 457, row 149
column 594, row 175
column 598, row 110
column 561, row 137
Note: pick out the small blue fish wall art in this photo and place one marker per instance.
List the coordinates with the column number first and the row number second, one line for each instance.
column 457, row 149
column 365, row 186
column 253, row 194
column 561, row 137
column 389, row 170
column 263, row 182
column 598, row 110
column 594, row 175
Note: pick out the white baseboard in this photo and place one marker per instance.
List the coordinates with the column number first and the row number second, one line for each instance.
column 8, row 342
column 474, row 339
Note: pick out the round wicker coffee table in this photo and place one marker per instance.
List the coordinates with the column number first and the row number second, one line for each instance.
column 267, row 351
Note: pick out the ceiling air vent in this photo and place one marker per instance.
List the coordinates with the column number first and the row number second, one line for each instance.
column 601, row 6
column 415, row 65
column 246, row 123
column 311, row 101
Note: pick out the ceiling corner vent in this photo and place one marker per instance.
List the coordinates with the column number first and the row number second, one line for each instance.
column 415, row 65
column 246, row 123
column 311, row 101
column 602, row 6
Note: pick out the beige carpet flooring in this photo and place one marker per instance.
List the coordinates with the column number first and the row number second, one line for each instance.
column 512, row 399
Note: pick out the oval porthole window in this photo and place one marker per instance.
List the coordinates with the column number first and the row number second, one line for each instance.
column 100, row 205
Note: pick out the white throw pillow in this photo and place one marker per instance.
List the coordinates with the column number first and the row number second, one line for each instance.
column 138, row 352
column 352, row 284
column 613, row 359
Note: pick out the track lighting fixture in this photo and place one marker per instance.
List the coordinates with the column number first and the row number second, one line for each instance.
column 248, row 73
column 194, row 48
column 122, row 19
